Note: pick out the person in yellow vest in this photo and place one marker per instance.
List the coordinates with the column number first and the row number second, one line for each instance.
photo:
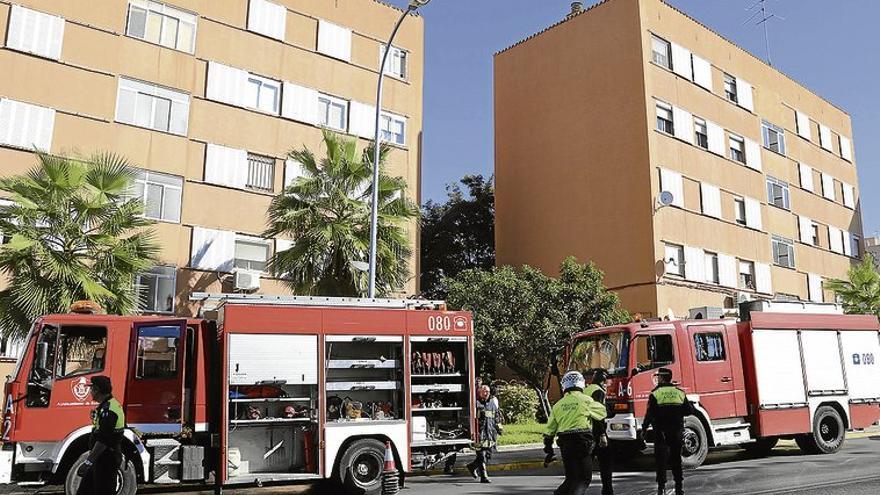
column 596, row 390
column 99, row 470
column 667, row 407
column 572, row 420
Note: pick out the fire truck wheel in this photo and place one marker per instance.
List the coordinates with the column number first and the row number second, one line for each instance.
column 126, row 480
column 360, row 468
column 695, row 444
column 828, row 433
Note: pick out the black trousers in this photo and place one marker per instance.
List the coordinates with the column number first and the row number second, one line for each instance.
column 101, row 479
column 606, row 468
column 577, row 462
column 667, row 454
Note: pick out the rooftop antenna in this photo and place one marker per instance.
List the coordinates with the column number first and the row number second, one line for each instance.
column 762, row 16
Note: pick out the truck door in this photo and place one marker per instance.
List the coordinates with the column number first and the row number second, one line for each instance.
column 154, row 395
column 648, row 352
column 713, row 375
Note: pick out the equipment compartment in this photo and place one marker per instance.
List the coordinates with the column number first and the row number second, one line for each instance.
column 364, row 375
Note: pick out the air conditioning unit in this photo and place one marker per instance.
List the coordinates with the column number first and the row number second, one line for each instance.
column 707, row 313
column 246, row 280
column 743, row 297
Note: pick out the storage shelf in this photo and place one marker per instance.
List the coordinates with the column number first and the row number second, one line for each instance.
column 430, row 443
column 362, row 364
column 437, row 388
column 445, row 375
column 253, row 422
column 419, row 410
column 350, row 386
column 273, row 399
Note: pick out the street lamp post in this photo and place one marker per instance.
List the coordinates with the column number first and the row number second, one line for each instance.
column 374, row 210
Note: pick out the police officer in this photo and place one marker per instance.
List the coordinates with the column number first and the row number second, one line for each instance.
column 667, row 407
column 596, row 391
column 99, row 470
column 572, row 419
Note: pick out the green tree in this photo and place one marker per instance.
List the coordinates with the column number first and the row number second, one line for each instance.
column 457, row 235
column 861, row 292
column 523, row 317
column 73, row 234
column 326, row 213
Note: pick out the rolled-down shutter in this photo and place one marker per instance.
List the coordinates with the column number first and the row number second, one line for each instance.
column 226, row 166
column 212, row 249
column 267, row 18
column 846, row 149
column 684, row 124
column 694, row 264
column 805, row 226
column 806, row 172
column 716, row 138
column 26, row 126
column 835, row 239
column 745, row 95
column 362, row 120
column 753, row 214
column 300, row 103
column 753, row 155
column 702, row 72
column 727, row 272
column 681, row 61
column 825, row 137
column 849, row 196
column 672, row 182
column 803, row 125
column 711, row 200
column 763, row 278
column 814, row 287
column 334, row 40
column 292, row 170
column 35, row 32
column 828, row 187
column 847, row 242
column 226, row 84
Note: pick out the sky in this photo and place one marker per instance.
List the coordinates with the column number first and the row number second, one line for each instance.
column 829, row 46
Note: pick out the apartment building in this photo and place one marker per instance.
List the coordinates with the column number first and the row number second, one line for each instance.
column 206, row 98
column 872, row 245
column 686, row 168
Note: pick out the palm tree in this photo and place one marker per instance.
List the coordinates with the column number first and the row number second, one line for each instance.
column 326, row 213
column 861, row 293
column 72, row 234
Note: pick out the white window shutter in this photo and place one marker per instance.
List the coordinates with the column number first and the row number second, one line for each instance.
column 828, row 187
column 334, row 40
column 694, row 264
column 702, row 72
column 814, row 288
column 226, row 166
column 849, row 196
column 763, row 278
column 753, row 155
column 226, row 84
column 847, row 242
column 716, row 138
column 292, row 170
column 212, row 249
column 300, row 103
column 846, row 149
column 282, row 245
column 727, row 271
column 825, row 137
column 803, row 125
column 681, row 61
column 362, row 120
column 35, row 32
column 744, row 95
column 267, row 18
column 711, row 200
column 753, row 214
column 806, row 172
column 683, row 122
column 805, row 225
column 26, row 126
column 835, row 239
column 672, row 182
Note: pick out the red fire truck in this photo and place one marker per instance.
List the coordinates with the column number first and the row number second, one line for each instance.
column 785, row 371
column 261, row 389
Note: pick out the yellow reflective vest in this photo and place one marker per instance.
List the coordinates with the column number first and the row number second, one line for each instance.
column 575, row 411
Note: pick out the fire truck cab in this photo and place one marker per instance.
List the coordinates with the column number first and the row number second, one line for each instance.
column 260, row 389
column 785, row 371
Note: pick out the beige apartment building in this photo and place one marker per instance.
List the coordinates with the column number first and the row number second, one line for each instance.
column 686, row 168
column 206, row 98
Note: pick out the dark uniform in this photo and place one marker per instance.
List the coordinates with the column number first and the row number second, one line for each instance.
column 667, row 407
column 603, row 452
column 489, row 429
column 572, row 419
column 108, row 424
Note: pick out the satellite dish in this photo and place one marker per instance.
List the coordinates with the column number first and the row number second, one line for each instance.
column 666, row 198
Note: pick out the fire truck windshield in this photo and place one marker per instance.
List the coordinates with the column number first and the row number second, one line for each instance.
column 609, row 351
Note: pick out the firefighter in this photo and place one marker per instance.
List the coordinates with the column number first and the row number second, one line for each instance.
column 596, row 391
column 572, row 420
column 99, row 470
column 488, row 431
column 667, row 407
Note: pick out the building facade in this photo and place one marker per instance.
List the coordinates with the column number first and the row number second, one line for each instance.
column 687, row 169
column 872, row 246
column 206, row 98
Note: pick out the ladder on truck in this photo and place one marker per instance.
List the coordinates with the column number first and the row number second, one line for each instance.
column 212, row 301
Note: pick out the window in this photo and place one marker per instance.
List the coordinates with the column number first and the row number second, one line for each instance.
column 730, row 88
column 393, row 129
column 774, row 137
column 662, row 52
column 158, row 23
column 737, row 149
column 251, row 254
column 396, row 65
column 746, row 275
column 332, row 112
column 153, row 107
column 674, row 260
column 261, row 172
column 40, row 382
column 713, row 275
column 701, row 133
column 855, row 243
column 709, row 347
column 609, row 351
column 653, row 351
column 263, row 94
column 664, row 118
column 157, row 352
column 81, row 351
column 778, row 193
column 739, row 206
column 160, row 194
column 783, row 252
column 157, row 287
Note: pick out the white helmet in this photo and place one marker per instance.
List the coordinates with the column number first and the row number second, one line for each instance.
column 573, row 379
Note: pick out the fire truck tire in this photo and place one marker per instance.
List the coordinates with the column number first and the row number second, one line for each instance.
column 828, row 435
column 761, row 446
column 360, row 467
column 695, row 445
column 127, row 479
